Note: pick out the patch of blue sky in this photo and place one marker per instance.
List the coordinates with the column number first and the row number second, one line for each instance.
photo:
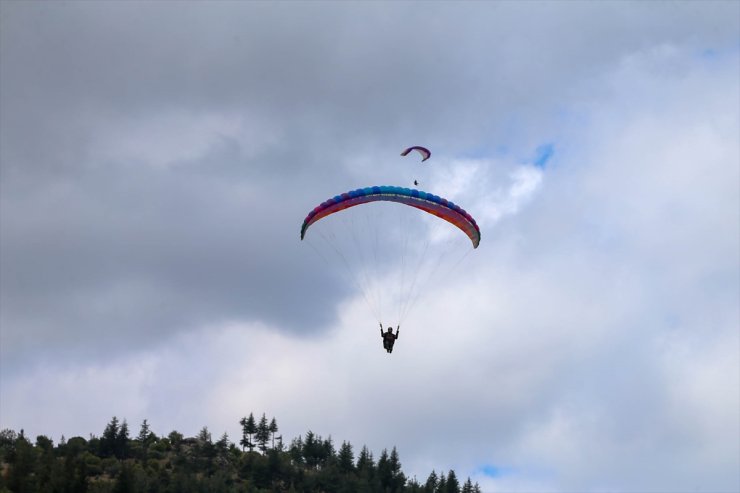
column 709, row 54
column 543, row 154
column 717, row 55
column 529, row 472
column 493, row 471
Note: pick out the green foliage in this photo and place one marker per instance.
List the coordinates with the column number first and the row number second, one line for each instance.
column 346, row 458
column 249, row 428
column 431, row 484
column 453, row 485
column 118, row 463
column 273, row 428
column 262, row 435
column 7, row 443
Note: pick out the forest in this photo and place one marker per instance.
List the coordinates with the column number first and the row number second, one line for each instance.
column 119, row 462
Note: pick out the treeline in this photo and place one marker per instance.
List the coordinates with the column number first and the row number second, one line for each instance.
column 117, row 462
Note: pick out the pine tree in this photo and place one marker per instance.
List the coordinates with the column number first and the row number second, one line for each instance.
column 442, row 484
column 273, row 429
column 467, row 487
column 311, row 452
column 109, row 439
column 413, row 486
column 346, row 458
column 144, row 432
column 398, row 479
column 204, row 436
column 145, row 437
column 244, row 442
column 432, row 481
column 453, row 485
column 365, row 461
column 326, row 452
column 205, row 452
column 366, row 472
column 222, row 445
column 122, row 441
column 248, row 429
column 262, row 435
column 384, row 471
column 296, row 451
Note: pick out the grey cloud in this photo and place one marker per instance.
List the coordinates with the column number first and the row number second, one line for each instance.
column 331, row 79
column 132, row 257
column 104, row 254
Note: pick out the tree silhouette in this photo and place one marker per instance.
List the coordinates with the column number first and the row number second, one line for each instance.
column 176, row 464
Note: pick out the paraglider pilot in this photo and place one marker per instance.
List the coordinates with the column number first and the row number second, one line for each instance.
column 389, row 338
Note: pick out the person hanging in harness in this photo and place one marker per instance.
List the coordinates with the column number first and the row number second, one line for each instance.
column 389, row 338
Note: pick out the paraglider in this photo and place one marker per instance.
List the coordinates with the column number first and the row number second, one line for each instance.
column 389, row 339
column 427, row 202
column 425, row 153
column 391, row 253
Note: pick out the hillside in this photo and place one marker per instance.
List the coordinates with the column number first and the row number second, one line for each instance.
column 116, row 462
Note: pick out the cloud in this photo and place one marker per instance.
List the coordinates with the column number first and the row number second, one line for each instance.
column 154, row 182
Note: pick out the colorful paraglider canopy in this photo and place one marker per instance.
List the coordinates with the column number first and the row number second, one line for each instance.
column 424, row 201
column 425, row 153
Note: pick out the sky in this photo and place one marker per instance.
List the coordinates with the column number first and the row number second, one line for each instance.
column 157, row 160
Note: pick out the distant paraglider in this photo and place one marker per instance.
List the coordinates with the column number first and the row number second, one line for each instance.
column 425, row 153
